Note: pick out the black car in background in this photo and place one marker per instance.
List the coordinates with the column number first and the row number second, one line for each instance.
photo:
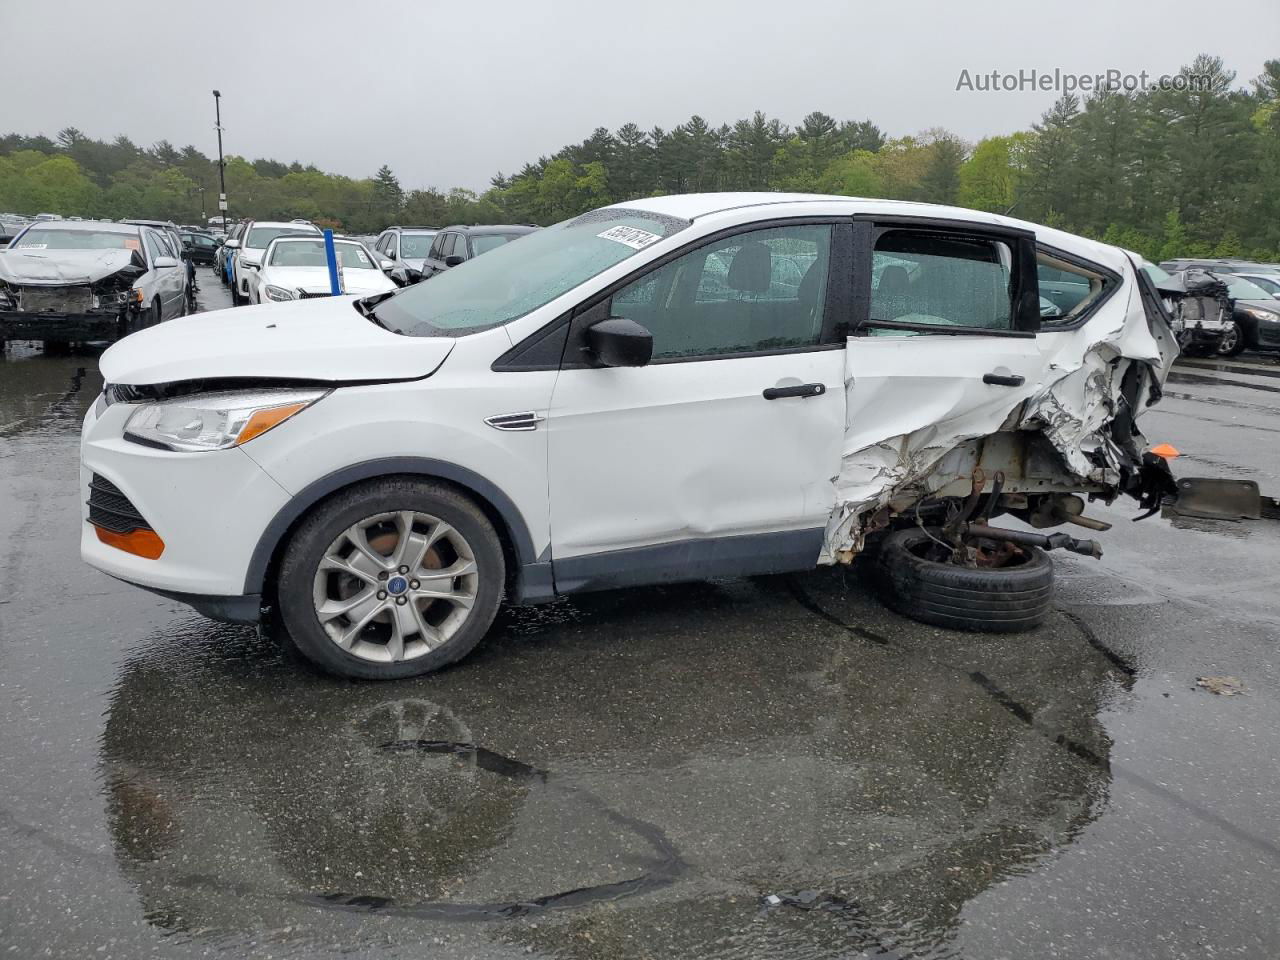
column 1256, row 316
column 458, row 244
column 199, row 247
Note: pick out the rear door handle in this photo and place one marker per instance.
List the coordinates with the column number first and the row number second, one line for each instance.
column 799, row 390
column 1000, row 380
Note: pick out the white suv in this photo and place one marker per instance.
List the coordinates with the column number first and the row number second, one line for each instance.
column 667, row 389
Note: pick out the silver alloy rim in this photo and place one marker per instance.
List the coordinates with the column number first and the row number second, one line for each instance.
column 1228, row 341
column 395, row 586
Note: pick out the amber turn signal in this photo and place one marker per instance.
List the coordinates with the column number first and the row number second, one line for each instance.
column 264, row 420
column 141, row 543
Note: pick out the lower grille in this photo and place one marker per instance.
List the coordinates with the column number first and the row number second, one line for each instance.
column 57, row 299
column 111, row 510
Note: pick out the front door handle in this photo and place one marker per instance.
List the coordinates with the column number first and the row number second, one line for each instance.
column 1000, row 380
column 799, row 390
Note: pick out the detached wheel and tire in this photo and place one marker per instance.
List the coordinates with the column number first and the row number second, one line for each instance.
column 1005, row 599
column 391, row 579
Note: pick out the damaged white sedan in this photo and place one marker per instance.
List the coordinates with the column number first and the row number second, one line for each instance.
column 666, row 389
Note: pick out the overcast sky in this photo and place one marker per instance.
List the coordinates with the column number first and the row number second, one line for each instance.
column 450, row 93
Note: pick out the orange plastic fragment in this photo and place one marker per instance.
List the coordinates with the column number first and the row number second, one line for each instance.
column 1165, row 450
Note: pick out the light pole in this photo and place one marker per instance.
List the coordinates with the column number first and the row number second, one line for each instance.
column 222, row 165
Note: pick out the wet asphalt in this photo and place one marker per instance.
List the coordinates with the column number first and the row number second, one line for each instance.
column 774, row 768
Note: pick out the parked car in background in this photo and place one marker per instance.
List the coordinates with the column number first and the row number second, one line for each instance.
column 68, row 281
column 222, row 257
column 200, row 247
column 1255, row 316
column 458, row 244
column 1270, row 282
column 249, row 245
column 406, row 248
column 296, row 268
column 1219, row 265
column 174, row 237
column 412, row 458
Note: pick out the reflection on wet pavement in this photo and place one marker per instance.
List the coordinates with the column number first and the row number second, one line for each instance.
column 767, row 768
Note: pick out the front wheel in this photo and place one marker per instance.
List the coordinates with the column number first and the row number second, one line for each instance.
column 1232, row 342
column 391, row 579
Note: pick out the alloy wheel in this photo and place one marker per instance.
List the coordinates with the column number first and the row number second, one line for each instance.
column 395, row 586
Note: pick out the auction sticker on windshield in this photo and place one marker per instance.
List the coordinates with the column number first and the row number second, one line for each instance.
column 633, row 237
column 31, row 246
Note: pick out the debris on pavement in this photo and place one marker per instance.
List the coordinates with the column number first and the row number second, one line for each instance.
column 1223, row 686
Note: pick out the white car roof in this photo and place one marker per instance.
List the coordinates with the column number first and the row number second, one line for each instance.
column 285, row 223
column 692, row 206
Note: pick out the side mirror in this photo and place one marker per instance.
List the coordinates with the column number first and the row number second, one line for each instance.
column 453, row 261
column 385, row 265
column 403, row 276
column 232, row 244
column 162, row 263
column 219, row 241
column 619, row 342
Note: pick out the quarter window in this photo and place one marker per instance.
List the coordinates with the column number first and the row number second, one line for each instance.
column 1066, row 290
column 937, row 280
column 758, row 291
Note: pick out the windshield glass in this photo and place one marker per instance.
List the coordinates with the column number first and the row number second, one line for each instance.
column 483, row 243
column 261, row 236
column 1157, row 274
column 415, row 245
column 1241, row 289
column 310, row 253
column 38, row 239
column 1269, row 284
column 520, row 277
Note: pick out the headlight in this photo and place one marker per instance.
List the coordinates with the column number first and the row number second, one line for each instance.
column 1260, row 314
column 272, row 292
column 215, row 421
column 251, row 264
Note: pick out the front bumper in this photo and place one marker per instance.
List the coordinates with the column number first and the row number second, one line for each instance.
column 209, row 509
column 99, row 325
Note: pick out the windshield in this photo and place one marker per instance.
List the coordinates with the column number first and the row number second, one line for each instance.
column 310, row 253
column 415, row 245
column 1269, row 284
column 38, row 239
column 1157, row 274
column 261, row 236
column 1241, row 289
column 485, row 242
column 519, row 277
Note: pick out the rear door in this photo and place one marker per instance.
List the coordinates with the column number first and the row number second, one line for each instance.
column 946, row 334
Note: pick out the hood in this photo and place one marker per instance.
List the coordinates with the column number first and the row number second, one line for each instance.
column 23, row 265
column 1270, row 306
column 323, row 339
column 316, row 279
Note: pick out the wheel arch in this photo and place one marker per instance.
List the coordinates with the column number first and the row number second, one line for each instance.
column 529, row 574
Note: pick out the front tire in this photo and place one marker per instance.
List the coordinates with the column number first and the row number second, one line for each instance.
column 391, row 579
column 1007, row 599
column 1233, row 341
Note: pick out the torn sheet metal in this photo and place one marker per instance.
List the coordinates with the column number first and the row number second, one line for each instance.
column 914, row 400
column 62, row 266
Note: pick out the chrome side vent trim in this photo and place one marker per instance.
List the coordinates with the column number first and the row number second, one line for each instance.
column 515, row 421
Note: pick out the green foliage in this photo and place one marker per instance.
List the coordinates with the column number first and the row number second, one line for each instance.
column 1165, row 173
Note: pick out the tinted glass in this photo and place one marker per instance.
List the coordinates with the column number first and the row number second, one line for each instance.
column 261, row 236
column 38, row 239
column 938, row 280
column 298, row 253
column 484, row 242
column 414, row 246
column 1066, row 290
column 757, row 291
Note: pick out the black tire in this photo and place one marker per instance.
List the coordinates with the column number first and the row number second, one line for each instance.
column 990, row 599
column 309, row 542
